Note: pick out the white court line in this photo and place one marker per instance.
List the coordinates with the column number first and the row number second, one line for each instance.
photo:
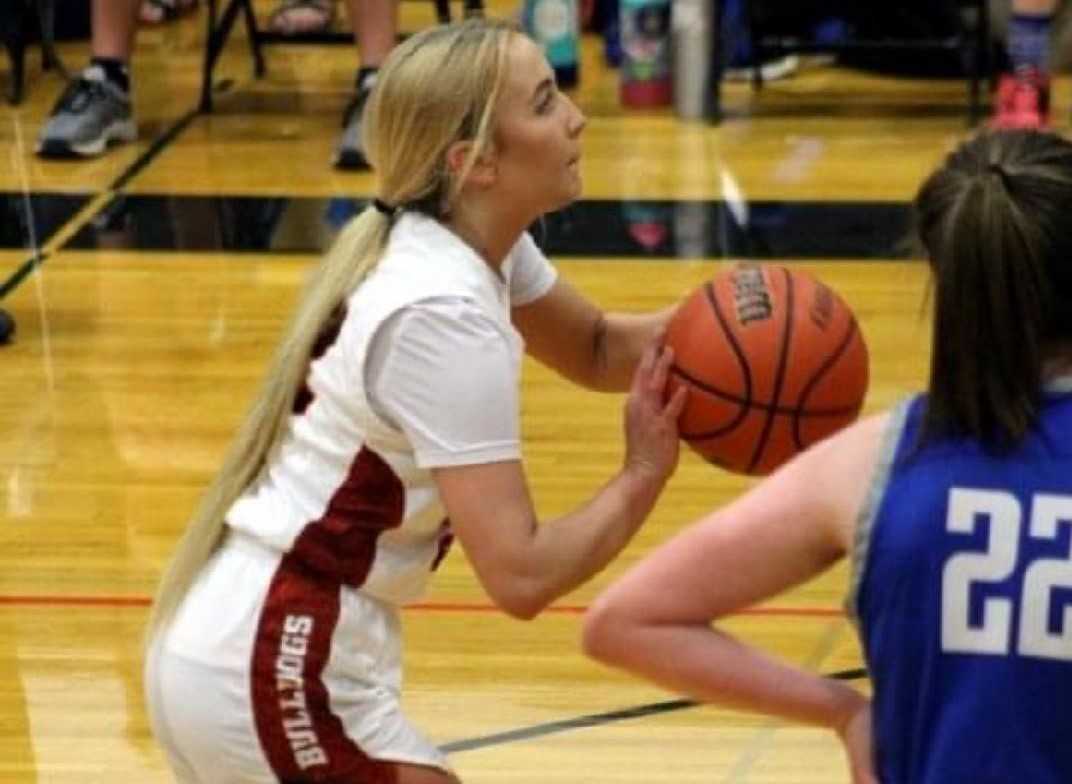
column 18, row 159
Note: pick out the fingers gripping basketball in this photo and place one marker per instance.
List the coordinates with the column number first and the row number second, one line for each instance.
column 774, row 361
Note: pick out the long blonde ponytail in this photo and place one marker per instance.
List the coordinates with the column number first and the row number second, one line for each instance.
column 352, row 256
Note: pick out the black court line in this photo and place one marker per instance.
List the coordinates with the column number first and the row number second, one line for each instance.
column 154, row 150
column 139, row 163
column 597, row 719
column 21, row 273
column 590, row 228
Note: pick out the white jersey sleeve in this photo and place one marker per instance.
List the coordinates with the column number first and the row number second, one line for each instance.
column 528, row 271
column 447, row 376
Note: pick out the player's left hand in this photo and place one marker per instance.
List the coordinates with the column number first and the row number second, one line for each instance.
column 857, row 739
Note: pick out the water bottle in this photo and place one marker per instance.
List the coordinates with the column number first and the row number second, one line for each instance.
column 645, row 40
column 694, row 40
column 553, row 25
column 648, row 224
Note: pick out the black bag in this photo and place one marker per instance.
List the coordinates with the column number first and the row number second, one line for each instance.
column 906, row 20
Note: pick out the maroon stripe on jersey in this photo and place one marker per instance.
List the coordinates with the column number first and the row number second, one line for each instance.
column 302, row 399
column 446, row 539
column 301, row 738
column 327, row 336
column 342, row 543
column 304, row 742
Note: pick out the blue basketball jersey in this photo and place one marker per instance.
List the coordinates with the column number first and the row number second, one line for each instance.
column 962, row 592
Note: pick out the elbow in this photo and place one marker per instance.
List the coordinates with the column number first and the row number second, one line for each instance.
column 521, row 600
column 603, row 630
column 521, row 611
column 521, row 608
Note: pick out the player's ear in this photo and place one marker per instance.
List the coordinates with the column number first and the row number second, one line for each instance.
column 484, row 170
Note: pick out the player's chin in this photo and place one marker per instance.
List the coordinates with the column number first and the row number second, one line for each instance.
column 571, row 191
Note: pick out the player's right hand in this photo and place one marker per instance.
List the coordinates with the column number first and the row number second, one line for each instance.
column 651, row 435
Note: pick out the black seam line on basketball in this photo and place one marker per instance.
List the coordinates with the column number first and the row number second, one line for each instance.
column 727, row 396
column 738, row 352
column 815, row 379
column 597, row 720
column 787, row 410
column 779, row 375
column 731, row 425
column 693, row 438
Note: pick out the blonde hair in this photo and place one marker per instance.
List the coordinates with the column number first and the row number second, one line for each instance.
column 438, row 87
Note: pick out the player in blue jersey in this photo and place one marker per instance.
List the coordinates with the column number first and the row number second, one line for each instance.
column 955, row 509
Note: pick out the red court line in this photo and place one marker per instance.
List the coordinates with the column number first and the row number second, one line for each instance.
column 571, row 609
column 76, row 601
column 441, row 607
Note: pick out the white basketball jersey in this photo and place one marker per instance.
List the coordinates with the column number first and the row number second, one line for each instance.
column 344, row 494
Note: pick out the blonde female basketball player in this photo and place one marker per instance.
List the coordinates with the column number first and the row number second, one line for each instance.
column 955, row 508
column 391, row 409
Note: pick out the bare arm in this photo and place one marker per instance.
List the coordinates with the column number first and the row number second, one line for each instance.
column 655, row 621
column 524, row 565
column 598, row 350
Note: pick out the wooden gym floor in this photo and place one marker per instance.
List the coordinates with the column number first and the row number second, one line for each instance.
column 164, row 271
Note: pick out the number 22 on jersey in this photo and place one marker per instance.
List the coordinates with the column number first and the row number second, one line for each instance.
column 1041, row 577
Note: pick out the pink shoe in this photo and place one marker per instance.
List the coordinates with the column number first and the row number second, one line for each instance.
column 1022, row 102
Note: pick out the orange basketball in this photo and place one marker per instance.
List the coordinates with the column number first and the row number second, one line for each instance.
column 774, row 361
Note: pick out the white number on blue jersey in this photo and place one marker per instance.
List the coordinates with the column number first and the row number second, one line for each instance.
column 995, row 565
column 1042, row 577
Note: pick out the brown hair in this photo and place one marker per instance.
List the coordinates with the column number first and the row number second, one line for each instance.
column 994, row 221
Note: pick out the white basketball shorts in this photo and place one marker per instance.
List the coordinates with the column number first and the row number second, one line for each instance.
column 271, row 673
